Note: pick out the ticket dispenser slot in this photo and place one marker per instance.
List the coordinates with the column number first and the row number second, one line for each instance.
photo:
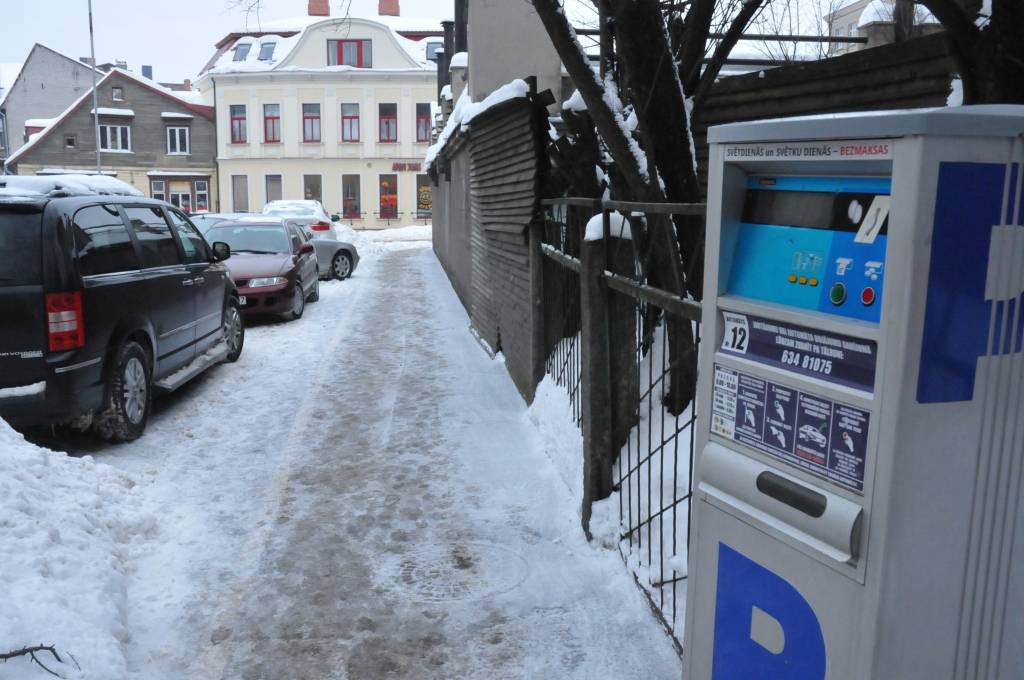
column 862, row 356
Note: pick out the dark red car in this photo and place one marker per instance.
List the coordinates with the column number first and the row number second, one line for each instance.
column 272, row 263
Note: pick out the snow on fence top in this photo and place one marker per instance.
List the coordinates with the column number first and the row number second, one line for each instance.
column 55, row 186
column 466, row 110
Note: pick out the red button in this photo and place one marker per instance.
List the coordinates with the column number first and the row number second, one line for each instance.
column 867, row 296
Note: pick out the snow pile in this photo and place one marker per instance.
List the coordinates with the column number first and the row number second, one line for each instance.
column 364, row 245
column 66, row 525
column 575, row 103
column 459, row 60
column 74, row 185
column 466, row 110
column 559, row 437
column 618, row 227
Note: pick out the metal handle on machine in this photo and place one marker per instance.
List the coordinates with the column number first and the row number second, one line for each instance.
column 792, row 494
column 813, row 515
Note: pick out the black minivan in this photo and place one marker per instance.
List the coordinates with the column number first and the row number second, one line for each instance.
column 105, row 297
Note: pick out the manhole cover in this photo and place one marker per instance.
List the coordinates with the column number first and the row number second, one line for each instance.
column 459, row 571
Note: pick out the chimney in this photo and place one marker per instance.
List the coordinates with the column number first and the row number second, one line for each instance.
column 389, row 8
column 187, row 85
column 319, row 8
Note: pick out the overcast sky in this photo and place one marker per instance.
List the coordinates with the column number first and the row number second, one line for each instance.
column 175, row 36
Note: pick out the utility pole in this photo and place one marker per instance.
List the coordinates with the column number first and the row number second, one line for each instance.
column 95, row 97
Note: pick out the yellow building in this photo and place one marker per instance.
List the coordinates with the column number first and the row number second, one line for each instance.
column 338, row 109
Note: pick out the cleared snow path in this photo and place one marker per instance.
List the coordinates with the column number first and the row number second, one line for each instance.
column 362, row 496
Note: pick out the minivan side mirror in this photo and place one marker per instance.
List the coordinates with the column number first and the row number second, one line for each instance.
column 335, row 218
column 221, row 251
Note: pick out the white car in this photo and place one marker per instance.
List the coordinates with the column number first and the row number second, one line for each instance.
column 811, row 433
column 311, row 214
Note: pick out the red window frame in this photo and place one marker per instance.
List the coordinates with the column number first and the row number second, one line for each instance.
column 271, row 134
column 361, row 60
column 384, row 117
column 239, row 133
column 423, row 126
column 319, row 126
column 345, row 120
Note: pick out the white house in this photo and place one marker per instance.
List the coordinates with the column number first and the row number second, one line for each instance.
column 339, row 109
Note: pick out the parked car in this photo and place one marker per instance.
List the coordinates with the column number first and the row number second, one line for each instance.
column 272, row 263
column 311, row 214
column 204, row 221
column 107, row 297
column 337, row 259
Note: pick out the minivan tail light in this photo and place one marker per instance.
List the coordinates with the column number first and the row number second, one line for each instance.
column 66, row 321
column 320, row 226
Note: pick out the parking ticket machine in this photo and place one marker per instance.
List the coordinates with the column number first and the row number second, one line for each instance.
column 857, row 504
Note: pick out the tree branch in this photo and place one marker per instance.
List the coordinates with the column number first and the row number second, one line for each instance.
column 696, row 28
column 732, row 36
column 31, row 653
column 963, row 36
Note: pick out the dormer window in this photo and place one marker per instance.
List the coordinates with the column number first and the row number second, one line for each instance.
column 357, row 53
column 242, row 51
column 267, row 51
column 432, row 49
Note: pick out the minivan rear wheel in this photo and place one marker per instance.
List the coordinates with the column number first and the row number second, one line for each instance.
column 129, row 395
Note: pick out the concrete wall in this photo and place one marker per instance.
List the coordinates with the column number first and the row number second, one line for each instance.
column 47, row 85
column 507, row 41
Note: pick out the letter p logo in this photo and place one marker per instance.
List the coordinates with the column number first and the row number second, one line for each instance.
column 764, row 628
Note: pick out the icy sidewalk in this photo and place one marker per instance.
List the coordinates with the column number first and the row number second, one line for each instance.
column 426, row 535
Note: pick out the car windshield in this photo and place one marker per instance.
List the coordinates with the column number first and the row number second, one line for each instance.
column 20, row 250
column 261, row 239
column 204, row 222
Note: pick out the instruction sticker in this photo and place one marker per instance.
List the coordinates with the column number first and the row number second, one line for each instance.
column 836, row 358
column 826, row 438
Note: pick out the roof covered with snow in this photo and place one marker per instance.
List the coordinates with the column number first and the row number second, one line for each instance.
column 466, row 110
column 57, row 186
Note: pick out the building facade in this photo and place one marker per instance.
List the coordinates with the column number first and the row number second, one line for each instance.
column 43, row 87
column 334, row 109
column 161, row 142
column 874, row 20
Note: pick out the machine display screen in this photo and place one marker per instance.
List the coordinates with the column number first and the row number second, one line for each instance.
column 817, row 243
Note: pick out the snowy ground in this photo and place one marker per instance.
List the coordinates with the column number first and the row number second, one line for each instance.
column 362, row 495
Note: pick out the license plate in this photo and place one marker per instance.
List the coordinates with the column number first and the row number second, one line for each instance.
column 241, row 300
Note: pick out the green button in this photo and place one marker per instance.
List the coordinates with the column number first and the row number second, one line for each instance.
column 837, row 294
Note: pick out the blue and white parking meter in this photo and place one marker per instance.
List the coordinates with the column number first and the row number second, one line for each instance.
column 857, row 510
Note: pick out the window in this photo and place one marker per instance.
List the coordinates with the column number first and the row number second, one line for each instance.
column 115, row 138
column 242, row 51
column 350, row 122
column 272, row 123
column 158, row 190
column 296, row 240
column 154, row 237
column 423, row 122
column 388, row 197
column 239, row 133
column 240, row 193
column 310, row 122
column 191, row 242
column 351, row 206
column 274, row 192
column 267, row 51
column 117, row 94
column 178, row 141
column 202, row 194
column 312, row 188
column 102, row 242
column 358, row 53
column 424, row 198
column 70, row 141
column 432, row 49
column 388, row 123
